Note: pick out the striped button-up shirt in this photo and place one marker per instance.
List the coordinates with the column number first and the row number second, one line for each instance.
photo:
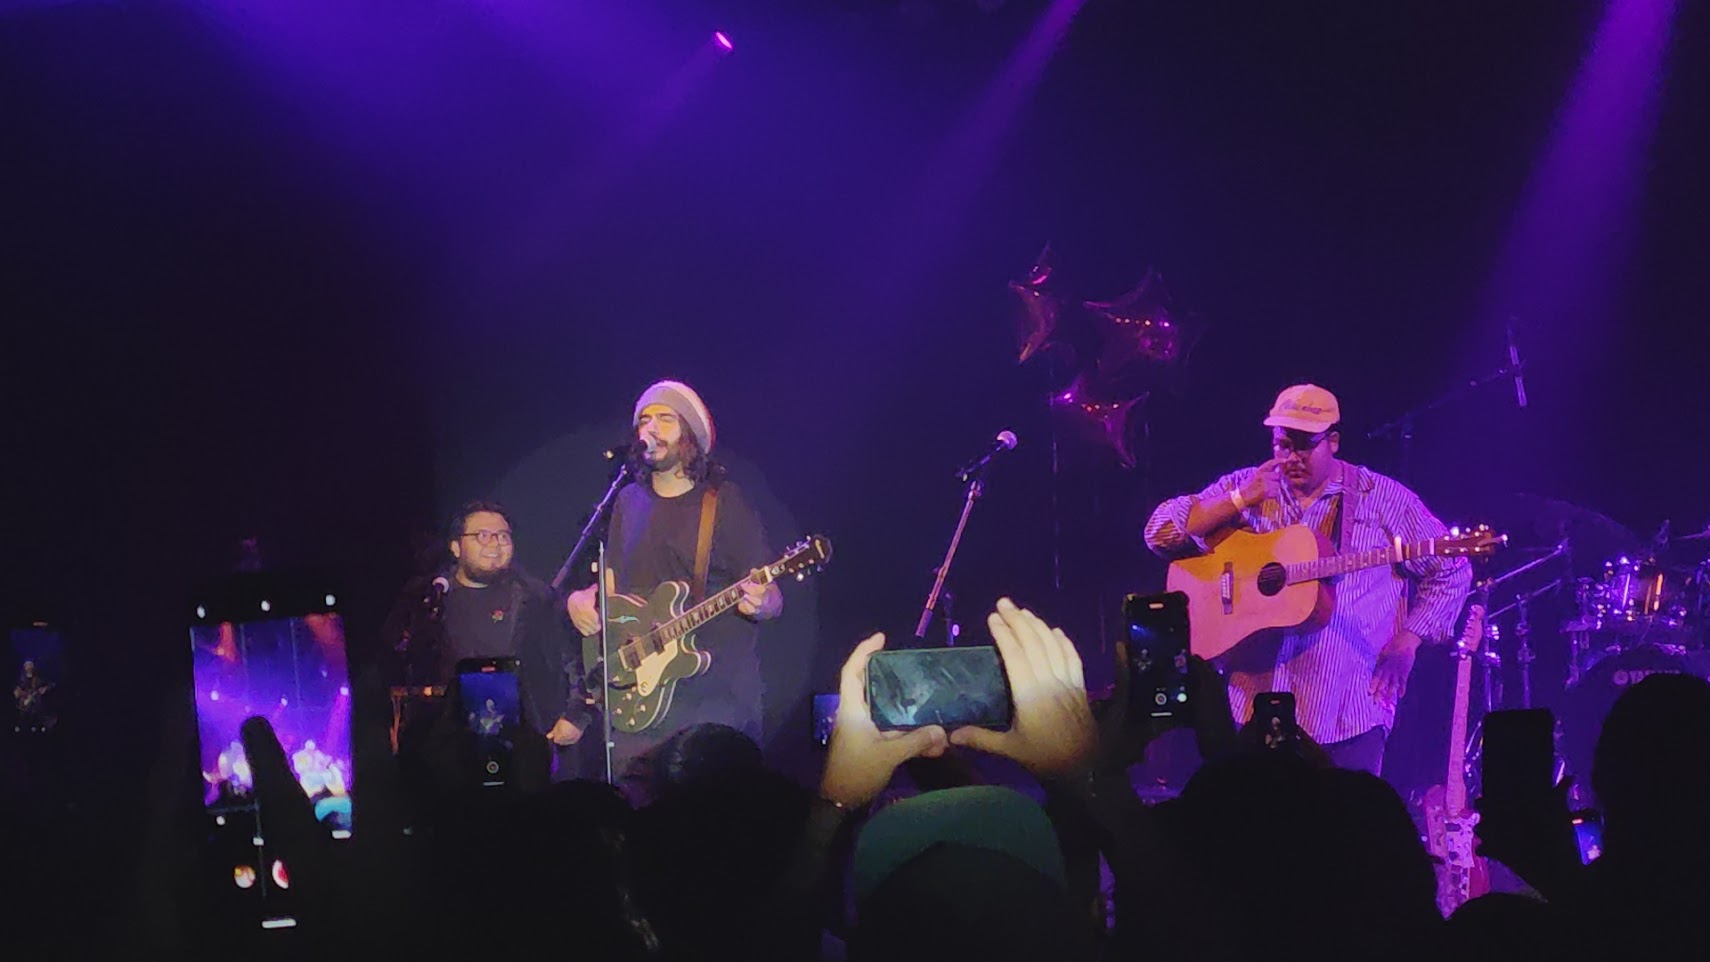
column 1330, row 670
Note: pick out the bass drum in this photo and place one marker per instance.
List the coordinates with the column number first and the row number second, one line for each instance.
column 1587, row 704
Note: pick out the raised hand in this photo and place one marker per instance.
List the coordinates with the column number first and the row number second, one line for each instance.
column 1053, row 734
column 1265, row 485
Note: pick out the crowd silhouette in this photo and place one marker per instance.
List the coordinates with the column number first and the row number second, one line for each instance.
column 1267, row 851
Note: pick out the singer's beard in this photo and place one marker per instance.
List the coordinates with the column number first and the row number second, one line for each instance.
column 666, row 461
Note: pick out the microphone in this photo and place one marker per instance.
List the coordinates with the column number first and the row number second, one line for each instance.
column 1517, row 368
column 1004, row 442
column 435, row 599
column 618, row 452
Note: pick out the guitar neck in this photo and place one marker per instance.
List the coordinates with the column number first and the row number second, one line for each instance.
column 1455, row 786
column 704, row 612
column 1340, row 564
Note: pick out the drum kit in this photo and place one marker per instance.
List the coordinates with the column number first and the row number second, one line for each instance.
column 1637, row 610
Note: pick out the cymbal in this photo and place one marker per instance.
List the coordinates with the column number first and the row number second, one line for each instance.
column 1700, row 536
column 1532, row 519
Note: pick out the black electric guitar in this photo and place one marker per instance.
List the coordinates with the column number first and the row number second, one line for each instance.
column 653, row 646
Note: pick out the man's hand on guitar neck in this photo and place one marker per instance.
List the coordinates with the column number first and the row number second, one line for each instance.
column 760, row 601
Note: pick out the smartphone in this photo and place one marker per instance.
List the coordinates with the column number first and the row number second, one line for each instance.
column 824, row 716
column 1273, row 716
column 490, row 698
column 1519, row 754
column 1588, row 832
column 1157, row 654
column 36, row 667
column 274, row 646
column 953, row 687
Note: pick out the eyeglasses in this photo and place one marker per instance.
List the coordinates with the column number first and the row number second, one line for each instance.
column 488, row 537
column 1298, row 442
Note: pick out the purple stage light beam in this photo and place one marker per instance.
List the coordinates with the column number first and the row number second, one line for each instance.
column 1560, row 257
column 963, row 161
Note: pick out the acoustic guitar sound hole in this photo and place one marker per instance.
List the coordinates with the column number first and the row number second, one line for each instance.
column 1273, row 578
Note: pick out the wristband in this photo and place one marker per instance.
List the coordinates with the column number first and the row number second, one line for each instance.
column 1235, row 498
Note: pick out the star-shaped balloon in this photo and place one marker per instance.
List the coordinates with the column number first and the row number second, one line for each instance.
column 1137, row 328
column 1036, row 322
column 1102, row 412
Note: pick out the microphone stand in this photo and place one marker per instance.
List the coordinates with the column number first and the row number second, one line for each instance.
column 599, row 580
column 976, row 487
column 588, row 529
column 1403, row 424
column 606, row 742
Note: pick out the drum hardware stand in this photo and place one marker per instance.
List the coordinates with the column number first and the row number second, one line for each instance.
column 1523, row 629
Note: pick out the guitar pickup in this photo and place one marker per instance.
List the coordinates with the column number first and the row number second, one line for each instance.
column 1226, row 587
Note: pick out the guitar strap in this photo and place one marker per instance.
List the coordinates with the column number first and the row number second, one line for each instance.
column 1346, row 502
column 1349, row 504
column 703, row 544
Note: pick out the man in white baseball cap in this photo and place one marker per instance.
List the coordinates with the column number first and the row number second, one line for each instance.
column 1347, row 675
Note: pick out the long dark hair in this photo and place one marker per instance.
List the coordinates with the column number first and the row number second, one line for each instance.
column 698, row 466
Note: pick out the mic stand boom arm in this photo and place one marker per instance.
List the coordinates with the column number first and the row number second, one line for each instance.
column 588, row 529
column 1404, row 423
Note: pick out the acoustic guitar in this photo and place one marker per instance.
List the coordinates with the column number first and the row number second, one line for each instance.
column 1251, row 583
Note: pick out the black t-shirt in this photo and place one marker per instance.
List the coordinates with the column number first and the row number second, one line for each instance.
column 651, row 541
column 514, row 618
column 479, row 623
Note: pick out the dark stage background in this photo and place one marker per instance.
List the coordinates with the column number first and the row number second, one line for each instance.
column 315, row 273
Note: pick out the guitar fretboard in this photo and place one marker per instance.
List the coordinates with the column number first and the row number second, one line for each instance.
column 1341, row 564
column 655, row 641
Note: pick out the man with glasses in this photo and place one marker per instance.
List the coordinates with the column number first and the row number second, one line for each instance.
column 1348, row 675
column 488, row 607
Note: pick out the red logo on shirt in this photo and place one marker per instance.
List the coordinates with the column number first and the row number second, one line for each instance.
column 498, row 615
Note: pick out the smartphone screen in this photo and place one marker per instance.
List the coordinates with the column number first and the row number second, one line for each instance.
column 261, row 647
column 952, row 687
column 37, row 670
column 1519, row 753
column 1588, row 832
column 824, row 716
column 491, row 702
column 1157, row 653
column 1273, row 715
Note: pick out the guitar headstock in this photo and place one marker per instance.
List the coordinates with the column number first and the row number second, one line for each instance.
column 805, row 556
column 1477, row 542
column 1474, row 631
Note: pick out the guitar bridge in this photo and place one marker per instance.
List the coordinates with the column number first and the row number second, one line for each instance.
column 1226, row 587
